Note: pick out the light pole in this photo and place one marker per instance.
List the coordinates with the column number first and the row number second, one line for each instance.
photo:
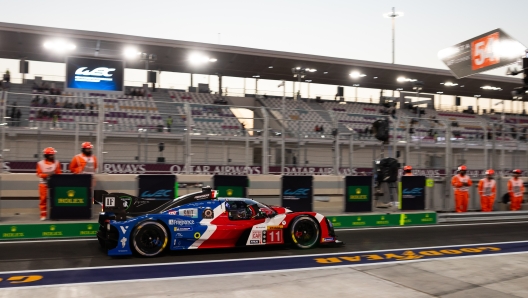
column 393, row 15
column 300, row 73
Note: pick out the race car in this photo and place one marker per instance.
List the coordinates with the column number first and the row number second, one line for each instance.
column 201, row 220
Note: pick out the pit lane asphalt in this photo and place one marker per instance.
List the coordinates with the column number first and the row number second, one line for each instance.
column 38, row 255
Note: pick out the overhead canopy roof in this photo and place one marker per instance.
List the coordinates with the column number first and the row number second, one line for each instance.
column 25, row 41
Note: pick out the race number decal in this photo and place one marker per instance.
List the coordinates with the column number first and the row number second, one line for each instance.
column 274, row 237
column 485, row 52
column 109, row 202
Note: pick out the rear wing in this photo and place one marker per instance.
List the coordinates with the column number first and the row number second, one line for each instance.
column 122, row 204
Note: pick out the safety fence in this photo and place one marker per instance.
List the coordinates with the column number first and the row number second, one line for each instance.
column 273, row 134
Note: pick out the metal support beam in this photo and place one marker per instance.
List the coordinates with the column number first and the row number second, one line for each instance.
column 265, row 143
column 351, row 152
column 188, row 119
column 100, row 134
column 283, row 133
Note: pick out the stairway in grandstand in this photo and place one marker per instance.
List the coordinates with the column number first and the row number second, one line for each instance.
column 297, row 110
column 207, row 117
column 321, row 111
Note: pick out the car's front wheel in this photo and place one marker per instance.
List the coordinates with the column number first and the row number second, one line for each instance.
column 149, row 238
column 305, row 232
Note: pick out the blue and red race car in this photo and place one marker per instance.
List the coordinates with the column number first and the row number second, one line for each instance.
column 201, row 220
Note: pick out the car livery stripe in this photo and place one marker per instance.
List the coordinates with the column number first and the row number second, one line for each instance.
column 211, row 228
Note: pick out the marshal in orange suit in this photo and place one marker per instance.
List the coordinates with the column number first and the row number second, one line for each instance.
column 461, row 183
column 488, row 190
column 516, row 190
column 45, row 168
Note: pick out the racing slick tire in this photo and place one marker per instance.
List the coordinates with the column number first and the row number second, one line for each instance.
column 305, row 232
column 149, row 238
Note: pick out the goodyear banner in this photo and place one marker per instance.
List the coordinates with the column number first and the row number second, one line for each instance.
column 412, row 193
column 358, row 193
column 297, row 193
column 231, row 186
column 70, row 197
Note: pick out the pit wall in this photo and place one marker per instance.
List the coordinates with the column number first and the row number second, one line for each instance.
column 265, row 188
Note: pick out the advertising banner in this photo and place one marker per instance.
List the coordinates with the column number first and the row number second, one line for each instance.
column 297, row 193
column 382, row 220
column 153, row 191
column 55, row 230
column 94, row 74
column 412, row 193
column 154, row 168
column 231, row 186
column 70, row 196
column 482, row 53
column 358, row 193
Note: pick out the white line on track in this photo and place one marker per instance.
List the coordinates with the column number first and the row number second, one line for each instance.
column 432, row 226
column 259, row 258
column 260, row 272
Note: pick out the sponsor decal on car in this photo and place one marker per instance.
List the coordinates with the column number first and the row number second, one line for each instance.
column 208, row 213
column 328, row 239
column 201, row 197
column 254, row 242
column 124, row 229
column 178, row 235
column 183, row 229
column 275, row 227
column 181, row 222
column 197, row 235
column 191, row 212
column 173, row 212
column 123, row 242
column 256, row 235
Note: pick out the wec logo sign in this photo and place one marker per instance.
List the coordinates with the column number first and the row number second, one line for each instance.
column 162, row 193
column 417, row 191
column 96, row 75
column 98, row 72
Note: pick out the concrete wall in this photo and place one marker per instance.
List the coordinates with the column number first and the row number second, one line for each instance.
column 265, row 188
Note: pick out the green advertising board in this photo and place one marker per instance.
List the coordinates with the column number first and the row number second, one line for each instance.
column 382, row 220
column 230, row 191
column 70, row 196
column 59, row 230
column 358, row 193
column 89, row 229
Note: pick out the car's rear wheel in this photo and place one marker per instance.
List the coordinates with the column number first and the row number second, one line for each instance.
column 305, row 232
column 149, row 238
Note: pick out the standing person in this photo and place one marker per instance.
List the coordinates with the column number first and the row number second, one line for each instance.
column 461, row 182
column 407, row 171
column 516, row 190
column 45, row 168
column 488, row 190
column 169, row 123
column 84, row 162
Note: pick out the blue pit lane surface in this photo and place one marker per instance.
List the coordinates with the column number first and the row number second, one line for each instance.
column 244, row 266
